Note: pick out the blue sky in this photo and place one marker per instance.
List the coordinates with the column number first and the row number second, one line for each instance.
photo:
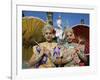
column 68, row 19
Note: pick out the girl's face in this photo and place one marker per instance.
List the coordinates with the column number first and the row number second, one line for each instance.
column 70, row 37
column 48, row 35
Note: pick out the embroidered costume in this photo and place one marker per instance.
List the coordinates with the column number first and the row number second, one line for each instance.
column 41, row 59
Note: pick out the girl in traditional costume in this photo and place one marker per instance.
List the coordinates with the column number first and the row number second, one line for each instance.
column 43, row 52
column 74, row 52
